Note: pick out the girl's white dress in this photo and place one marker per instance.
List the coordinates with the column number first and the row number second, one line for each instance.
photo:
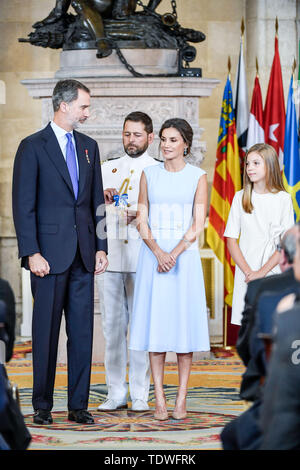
column 259, row 233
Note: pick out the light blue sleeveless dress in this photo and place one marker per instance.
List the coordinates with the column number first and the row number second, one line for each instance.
column 169, row 309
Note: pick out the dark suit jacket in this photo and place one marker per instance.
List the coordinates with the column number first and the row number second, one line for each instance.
column 8, row 298
column 251, row 348
column 245, row 432
column 47, row 217
column 255, row 288
column 280, row 413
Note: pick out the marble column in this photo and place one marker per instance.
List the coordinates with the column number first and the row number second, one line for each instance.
column 260, row 36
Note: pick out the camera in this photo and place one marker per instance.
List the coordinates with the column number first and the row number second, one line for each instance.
column 187, row 55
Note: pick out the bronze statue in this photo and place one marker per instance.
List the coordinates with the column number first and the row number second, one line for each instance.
column 111, row 24
column 91, row 13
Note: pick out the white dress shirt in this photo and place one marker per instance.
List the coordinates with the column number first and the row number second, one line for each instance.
column 62, row 139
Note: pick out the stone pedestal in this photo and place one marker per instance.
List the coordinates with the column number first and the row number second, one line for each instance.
column 112, row 98
column 83, row 63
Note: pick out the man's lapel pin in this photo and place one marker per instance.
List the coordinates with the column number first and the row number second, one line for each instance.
column 87, row 156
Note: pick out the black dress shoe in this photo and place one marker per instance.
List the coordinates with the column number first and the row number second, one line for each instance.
column 81, row 416
column 42, row 417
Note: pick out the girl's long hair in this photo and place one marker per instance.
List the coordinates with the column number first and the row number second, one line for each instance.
column 274, row 182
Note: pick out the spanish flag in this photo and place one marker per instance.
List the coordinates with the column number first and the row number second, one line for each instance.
column 227, row 180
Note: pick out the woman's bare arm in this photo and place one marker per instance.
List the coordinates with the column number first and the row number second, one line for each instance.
column 165, row 260
column 199, row 216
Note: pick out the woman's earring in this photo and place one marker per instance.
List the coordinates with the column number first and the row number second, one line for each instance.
column 185, row 152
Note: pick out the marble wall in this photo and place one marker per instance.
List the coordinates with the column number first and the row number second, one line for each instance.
column 220, row 20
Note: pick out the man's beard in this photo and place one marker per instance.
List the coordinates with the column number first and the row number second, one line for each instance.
column 136, row 152
column 76, row 124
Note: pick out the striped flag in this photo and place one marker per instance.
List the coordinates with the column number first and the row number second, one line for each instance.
column 241, row 105
column 274, row 112
column 227, row 180
column 291, row 161
column 256, row 133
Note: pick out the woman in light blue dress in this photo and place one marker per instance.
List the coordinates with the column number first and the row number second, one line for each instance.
column 169, row 307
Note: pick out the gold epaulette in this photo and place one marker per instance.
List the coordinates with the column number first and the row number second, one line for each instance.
column 109, row 160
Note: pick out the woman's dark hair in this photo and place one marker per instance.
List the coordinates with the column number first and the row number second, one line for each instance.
column 139, row 116
column 183, row 127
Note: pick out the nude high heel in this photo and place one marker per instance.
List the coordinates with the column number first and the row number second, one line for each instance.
column 161, row 415
column 179, row 414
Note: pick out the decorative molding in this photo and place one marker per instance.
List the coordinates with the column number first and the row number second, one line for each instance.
column 115, row 110
column 131, row 86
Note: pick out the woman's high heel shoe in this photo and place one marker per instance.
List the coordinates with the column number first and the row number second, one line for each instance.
column 179, row 414
column 161, row 416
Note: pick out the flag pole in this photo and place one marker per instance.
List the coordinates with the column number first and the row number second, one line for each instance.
column 242, row 28
column 294, row 68
column 225, row 304
column 225, row 339
column 225, row 326
column 293, row 74
column 295, row 89
column 221, row 198
column 257, row 68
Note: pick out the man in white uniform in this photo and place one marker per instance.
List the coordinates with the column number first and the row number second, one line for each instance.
column 121, row 177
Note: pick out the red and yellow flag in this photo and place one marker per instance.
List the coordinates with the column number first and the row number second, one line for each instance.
column 227, row 180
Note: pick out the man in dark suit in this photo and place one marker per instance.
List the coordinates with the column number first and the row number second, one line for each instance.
column 279, row 282
column 244, row 432
column 7, row 296
column 57, row 206
column 280, row 413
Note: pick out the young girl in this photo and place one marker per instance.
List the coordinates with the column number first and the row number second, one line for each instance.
column 260, row 214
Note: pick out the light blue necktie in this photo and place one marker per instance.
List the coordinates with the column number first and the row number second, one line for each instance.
column 71, row 163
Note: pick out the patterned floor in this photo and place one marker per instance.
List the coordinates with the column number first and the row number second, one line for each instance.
column 213, row 401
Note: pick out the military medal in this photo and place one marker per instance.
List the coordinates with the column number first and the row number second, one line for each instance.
column 87, row 156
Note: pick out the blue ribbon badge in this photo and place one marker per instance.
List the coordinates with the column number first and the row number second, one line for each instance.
column 121, row 200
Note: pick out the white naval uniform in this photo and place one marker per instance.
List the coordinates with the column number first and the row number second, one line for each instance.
column 116, row 285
